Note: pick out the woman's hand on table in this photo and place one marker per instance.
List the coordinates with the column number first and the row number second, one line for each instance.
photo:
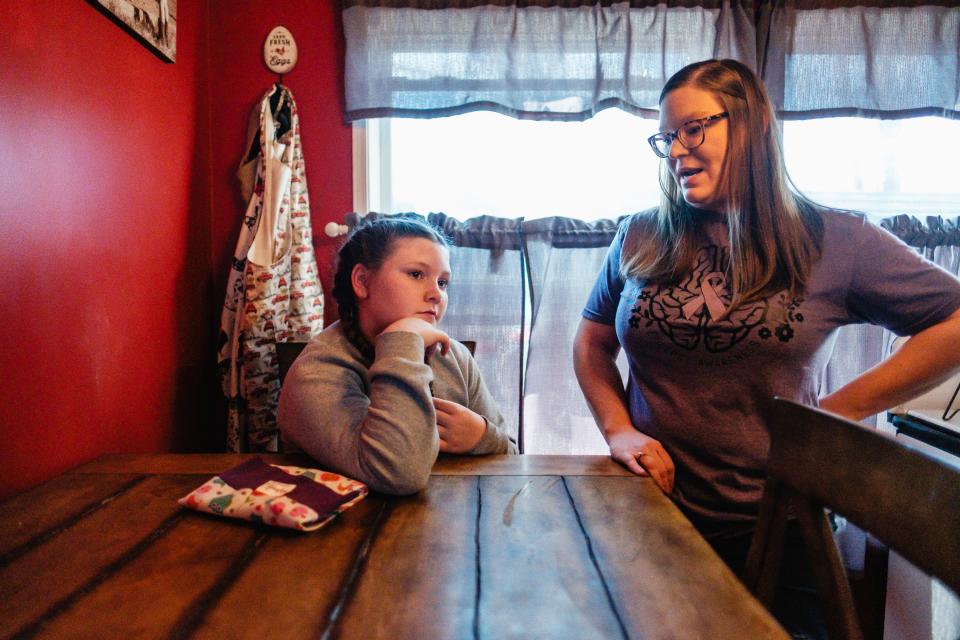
column 460, row 428
column 644, row 456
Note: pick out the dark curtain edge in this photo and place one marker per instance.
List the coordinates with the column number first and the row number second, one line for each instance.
column 424, row 114
column 804, row 5
column 439, row 5
column 875, row 114
column 357, row 115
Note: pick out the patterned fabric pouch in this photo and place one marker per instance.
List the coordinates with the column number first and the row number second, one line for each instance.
column 292, row 497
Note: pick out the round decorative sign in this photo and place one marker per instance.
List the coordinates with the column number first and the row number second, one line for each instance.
column 280, row 50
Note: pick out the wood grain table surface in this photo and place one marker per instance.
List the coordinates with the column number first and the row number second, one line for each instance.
column 494, row 547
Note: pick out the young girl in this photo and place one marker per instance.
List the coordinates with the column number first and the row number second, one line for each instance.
column 379, row 393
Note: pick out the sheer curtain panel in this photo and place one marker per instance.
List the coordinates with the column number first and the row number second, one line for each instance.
column 564, row 257
column 486, row 304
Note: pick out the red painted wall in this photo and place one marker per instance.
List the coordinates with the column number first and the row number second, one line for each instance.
column 105, row 238
column 119, row 213
column 238, row 80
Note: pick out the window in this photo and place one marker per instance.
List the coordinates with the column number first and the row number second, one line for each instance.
column 881, row 167
column 486, row 163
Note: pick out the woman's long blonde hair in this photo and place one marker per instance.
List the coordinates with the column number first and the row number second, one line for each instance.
column 774, row 231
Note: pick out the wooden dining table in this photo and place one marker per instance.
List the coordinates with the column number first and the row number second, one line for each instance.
column 494, row 547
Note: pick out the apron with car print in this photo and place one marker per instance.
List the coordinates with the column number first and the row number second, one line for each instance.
column 273, row 291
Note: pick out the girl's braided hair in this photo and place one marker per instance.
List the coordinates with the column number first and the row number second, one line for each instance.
column 369, row 244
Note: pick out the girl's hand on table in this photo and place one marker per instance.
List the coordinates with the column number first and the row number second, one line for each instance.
column 460, row 428
column 644, row 456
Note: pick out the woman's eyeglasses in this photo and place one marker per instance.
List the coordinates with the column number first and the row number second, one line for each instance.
column 690, row 135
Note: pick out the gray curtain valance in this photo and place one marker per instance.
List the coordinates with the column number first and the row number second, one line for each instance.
column 480, row 232
column 935, row 232
column 511, row 234
column 855, row 58
column 569, row 59
column 562, row 61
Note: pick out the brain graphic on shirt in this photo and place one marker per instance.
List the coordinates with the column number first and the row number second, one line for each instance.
column 687, row 312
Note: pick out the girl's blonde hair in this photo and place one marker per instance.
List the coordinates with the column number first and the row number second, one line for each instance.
column 774, row 231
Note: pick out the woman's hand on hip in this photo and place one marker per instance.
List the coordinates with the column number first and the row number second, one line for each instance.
column 643, row 455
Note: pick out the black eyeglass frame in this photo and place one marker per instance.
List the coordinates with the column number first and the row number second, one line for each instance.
column 674, row 136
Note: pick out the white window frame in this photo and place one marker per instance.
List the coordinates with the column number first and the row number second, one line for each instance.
column 371, row 175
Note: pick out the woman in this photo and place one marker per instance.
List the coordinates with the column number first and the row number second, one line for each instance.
column 729, row 294
column 379, row 393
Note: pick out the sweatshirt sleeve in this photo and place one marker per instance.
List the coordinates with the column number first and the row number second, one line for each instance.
column 384, row 435
column 495, row 439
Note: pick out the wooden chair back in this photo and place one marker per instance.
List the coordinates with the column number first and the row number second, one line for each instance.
column 287, row 352
column 906, row 498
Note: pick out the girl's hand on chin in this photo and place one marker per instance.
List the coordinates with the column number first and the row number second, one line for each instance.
column 433, row 338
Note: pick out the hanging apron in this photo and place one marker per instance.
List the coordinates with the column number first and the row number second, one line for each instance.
column 273, row 290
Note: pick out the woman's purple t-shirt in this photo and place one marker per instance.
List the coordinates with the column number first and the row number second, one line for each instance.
column 701, row 386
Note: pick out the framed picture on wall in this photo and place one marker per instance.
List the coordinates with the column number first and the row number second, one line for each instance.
column 153, row 22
